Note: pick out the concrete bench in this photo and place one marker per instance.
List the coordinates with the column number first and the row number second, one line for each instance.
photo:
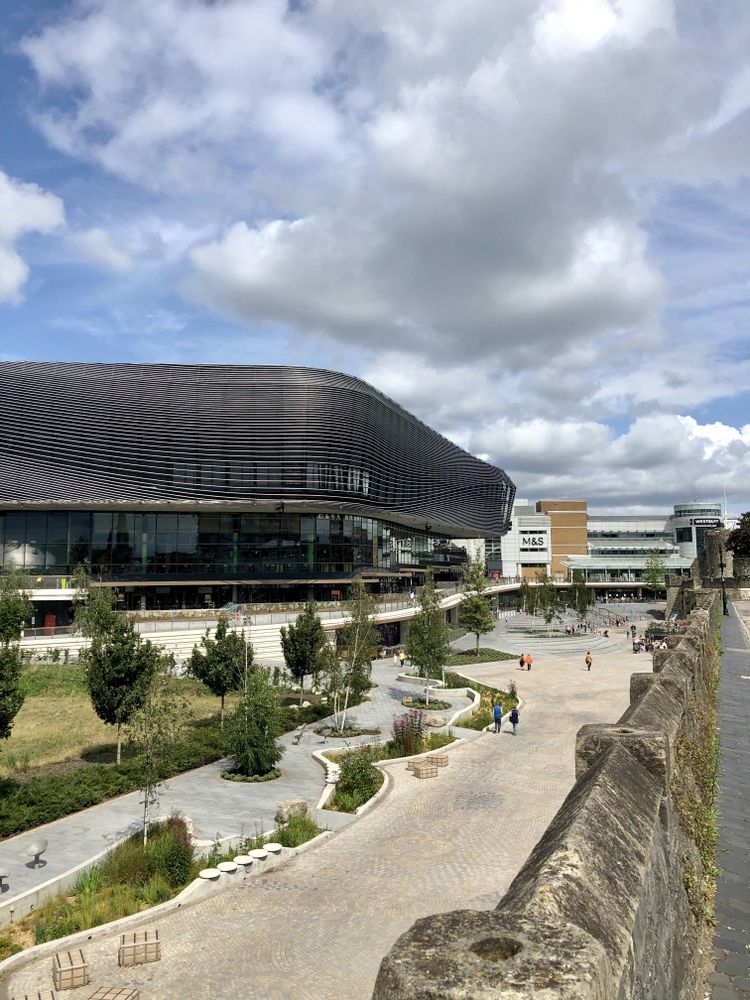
column 139, row 948
column 35, row 852
column 70, row 970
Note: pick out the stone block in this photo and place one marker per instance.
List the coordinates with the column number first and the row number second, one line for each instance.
column 469, row 954
column 648, row 746
column 70, row 970
column 639, row 684
column 139, row 948
column 288, row 808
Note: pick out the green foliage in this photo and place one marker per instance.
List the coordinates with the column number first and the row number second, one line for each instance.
column 475, row 612
column 409, row 733
column 359, row 779
column 482, row 655
column 220, row 665
column 255, row 727
column 297, row 830
column 155, row 728
column 549, row 600
column 654, row 572
column 39, row 679
column 427, row 640
column 301, row 643
column 94, row 613
column 488, row 697
column 130, row 877
column 43, row 799
column 527, row 598
column 15, row 608
column 738, row 540
column 119, row 669
column 579, row 597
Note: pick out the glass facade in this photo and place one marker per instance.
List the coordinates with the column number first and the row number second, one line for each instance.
column 128, row 546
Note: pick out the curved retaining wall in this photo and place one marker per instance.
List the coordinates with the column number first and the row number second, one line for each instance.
column 600, row 909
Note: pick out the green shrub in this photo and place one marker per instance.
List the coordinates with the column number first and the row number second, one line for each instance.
column 298, row 830
column 157, row 890
column 128, row 863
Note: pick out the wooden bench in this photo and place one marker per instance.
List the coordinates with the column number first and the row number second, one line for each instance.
column 116, row 993
column 139, row 947
column 423, row 769
column 70, row 970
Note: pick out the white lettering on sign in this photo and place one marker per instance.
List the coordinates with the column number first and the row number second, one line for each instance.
column 533, row 542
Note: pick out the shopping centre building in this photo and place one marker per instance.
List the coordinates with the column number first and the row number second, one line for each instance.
column 557, row 537
column 193, row 486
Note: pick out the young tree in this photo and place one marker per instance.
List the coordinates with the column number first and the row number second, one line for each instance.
column 579, row 597
column 527, row 598
column 94, row 606
column 301, row 643
column 119, row 669
column 359, row 640
column 547, row 597
column 255, row 726
column 654, row 572
column 475, row 613
column 154, row 730
column 427, row 640
column 220, row 665
column 15, row 608
column 738, row 540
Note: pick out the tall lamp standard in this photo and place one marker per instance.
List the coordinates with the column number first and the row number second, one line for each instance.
column 724, row 607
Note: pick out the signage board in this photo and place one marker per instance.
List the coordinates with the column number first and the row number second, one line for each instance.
column 706, row 522
column 532, row 542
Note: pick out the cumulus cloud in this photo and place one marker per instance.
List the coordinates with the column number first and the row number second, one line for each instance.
column 497, row 212
column 24, row 208
column 96, row 245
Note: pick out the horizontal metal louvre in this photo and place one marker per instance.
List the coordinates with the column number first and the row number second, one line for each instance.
column 93, row 434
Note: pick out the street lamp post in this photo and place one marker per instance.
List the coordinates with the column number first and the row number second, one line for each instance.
column 724, row 607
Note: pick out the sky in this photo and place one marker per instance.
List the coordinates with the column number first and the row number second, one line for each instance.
column 527, row 222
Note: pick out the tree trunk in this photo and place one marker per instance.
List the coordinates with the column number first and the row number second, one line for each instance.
column 301, row 690
column 119, row 742
column 221, row 714
column 477, row 647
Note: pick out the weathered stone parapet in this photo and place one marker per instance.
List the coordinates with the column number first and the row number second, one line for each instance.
column 600, row 908
column 453, row 956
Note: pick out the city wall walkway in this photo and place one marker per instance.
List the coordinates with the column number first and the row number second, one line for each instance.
column 318, row 927
column 731, row 979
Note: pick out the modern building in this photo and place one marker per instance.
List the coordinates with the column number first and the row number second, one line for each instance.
column 192, row 486
column 558, row 537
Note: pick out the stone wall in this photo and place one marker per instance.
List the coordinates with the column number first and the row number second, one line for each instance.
column 600, row 910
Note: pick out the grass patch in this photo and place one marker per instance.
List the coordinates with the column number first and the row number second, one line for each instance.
column 434, row 704
column 487, row 697
column 251, row 778
column 129, row 879
column 695, row 782
column 486, row 655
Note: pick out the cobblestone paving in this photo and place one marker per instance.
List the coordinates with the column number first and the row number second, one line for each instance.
column 318, row 928
column 731, row 979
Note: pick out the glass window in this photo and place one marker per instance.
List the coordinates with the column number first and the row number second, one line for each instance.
column 79, row 538
column 15, row 539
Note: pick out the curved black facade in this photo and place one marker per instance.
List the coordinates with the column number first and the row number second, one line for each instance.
column 89, row 436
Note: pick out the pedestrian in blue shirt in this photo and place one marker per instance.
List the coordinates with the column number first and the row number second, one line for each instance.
column 497, row 711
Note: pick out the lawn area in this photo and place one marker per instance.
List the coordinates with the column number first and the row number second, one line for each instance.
column 57, row 723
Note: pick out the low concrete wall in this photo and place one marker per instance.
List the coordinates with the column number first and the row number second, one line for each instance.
column 600, row 909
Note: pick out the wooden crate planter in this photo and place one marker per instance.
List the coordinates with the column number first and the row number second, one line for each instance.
column 39, row 995
column 438, row 759
column 116, row 993
column 422, row 769
column 139, row 948
column 70, row 970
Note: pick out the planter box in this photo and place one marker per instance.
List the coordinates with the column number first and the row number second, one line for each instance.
column 139, row 948
column 39, row 995
column 70, row 970
column 423, row 769
column 438, row 759
column 116, row 993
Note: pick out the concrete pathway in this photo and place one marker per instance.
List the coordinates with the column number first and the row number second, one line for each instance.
column 731, row 980
column 216, row 806
column 318, row 927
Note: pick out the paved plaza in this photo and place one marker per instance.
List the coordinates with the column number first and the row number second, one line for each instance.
column 318, row 927
column 731, row 980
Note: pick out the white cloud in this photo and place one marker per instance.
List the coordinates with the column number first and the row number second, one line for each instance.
column 96, row 245
column 24, row 208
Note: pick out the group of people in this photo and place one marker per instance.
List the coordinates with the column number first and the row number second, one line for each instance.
column 497, row 714
column 525, row 660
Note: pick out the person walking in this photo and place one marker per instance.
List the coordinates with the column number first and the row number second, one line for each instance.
column 401, row 657
column 589, row 660
column 528, row 659
column 497, row 713
column 514, row 718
